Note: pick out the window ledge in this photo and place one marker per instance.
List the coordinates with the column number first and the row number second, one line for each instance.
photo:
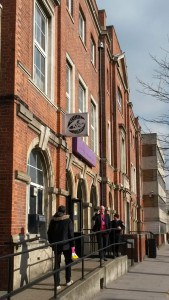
column 43, row 94
column 94, row 67
column 22, row 176
column 71, row 17
column 83, row 43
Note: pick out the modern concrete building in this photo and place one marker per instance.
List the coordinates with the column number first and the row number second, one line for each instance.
column 154, row 188
column 167, row 210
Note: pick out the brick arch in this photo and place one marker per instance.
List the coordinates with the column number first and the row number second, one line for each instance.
column 71, row 183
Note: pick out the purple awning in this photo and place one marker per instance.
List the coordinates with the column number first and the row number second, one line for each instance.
column 82, row 150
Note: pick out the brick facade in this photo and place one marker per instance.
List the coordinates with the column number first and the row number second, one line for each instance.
column 31, row 119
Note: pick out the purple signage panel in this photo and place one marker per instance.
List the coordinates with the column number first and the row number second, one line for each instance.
column 82, row 150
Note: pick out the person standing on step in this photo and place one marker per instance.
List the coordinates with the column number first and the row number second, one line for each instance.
column 102, row 222
column 115, row 235
column 61, row 229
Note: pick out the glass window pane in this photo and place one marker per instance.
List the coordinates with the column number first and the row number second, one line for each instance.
column 40, row 198
column 32, row 174
column 37, row 58
column 43, row 65
column 40, row 48
column 81, row 98
column 35, row 168
column 32, row 159
column 39, row 177
column 39, row 163
column 32, row 202
column 32, row 205
column 42, row 35
column 39, row 69
column 67, row 79
column 40, row 27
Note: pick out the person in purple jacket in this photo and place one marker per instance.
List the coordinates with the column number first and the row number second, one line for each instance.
column 102, row 222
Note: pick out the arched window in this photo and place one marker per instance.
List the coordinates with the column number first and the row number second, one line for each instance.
column 36, row 219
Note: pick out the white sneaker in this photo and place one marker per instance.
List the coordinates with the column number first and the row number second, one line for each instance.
column 58, row 287
column 69, row 283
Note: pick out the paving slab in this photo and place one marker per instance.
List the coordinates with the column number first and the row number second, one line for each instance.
column 146, row 280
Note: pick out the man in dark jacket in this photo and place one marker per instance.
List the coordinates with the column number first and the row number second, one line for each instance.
column 61, row 229
column 115, row 235
column 102, row 222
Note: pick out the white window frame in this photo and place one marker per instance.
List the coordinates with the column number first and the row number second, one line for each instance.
column 69, row 6
column 134, row 175
column 47, row 11
column 70, row 95
column 119, row 98
column 93, row 51
column 109, row 141
column 85, row 100
column 81, row 97
column 133, row 179
column 94, row 125
column 123, row 152
column 82, row 26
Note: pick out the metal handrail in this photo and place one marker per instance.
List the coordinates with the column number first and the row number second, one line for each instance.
column 10, row 257
column 140, row 232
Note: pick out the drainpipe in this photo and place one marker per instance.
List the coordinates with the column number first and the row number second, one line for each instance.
column 100, row 48
column 0, row 34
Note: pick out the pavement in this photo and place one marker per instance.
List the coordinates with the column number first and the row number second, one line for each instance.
column 44, row 290
column 84, row 289
column 146, row 280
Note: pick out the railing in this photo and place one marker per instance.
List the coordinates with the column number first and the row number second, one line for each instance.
column 148, row 235
column 92, row 241
column 151, row 234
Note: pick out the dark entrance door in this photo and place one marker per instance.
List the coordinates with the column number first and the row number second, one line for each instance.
column 78, row 224
column 74, row 208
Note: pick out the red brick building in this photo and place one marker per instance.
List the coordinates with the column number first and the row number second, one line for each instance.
column 59, row 57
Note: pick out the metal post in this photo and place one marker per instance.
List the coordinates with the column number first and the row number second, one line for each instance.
column 10, row 272
column 55, row 269
column 132, row 255
column 82, row 255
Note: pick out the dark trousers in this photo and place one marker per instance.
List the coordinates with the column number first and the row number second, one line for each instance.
column 68, row 259
column 102, row 240
column 115, row 239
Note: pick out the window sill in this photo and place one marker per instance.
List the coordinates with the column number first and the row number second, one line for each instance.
column 43, row 94
column 94, row 67
column 70, row 15
column 83, row 43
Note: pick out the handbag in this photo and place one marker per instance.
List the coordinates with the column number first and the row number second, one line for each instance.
column 74, row 255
